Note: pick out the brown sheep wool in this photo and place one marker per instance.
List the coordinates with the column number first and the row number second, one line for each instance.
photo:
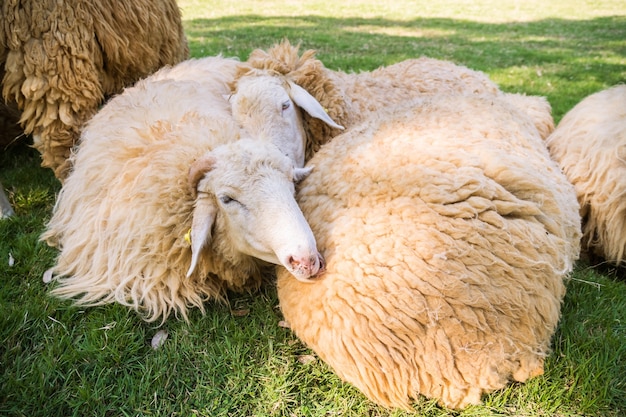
column 447, row 232
column 590, row 146
column 59, row 60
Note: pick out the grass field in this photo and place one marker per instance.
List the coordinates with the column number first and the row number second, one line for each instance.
column 59, row 360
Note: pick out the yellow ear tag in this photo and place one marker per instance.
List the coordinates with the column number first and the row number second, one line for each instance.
column 188, row 237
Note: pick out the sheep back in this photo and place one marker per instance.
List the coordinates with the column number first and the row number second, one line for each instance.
column 62, row 59
column 447, row 232
column 121, row 217
column 589, row 144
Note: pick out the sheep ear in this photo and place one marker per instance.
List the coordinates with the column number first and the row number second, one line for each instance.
column 301, row 173
column 204, row 212
column 197, row 170
column 203, row 218
column 307, row 102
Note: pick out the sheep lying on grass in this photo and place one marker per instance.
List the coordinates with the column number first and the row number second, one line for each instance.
column 590, row 146
column 121, row 218
column 447, row 232
column 59, row 60
column 353, row 98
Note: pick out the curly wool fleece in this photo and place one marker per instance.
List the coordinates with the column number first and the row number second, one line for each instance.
column 60, row 60
column 448, row 232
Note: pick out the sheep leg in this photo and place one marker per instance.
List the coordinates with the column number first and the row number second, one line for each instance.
column 5, row 207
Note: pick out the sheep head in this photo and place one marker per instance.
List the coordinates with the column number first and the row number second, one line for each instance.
column 245, row 206
column 308, row 72
column 264, row 104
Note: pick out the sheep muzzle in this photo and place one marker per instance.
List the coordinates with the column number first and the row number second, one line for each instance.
column 306, row 269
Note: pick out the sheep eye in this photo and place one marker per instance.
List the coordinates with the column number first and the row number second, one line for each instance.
column 286, row 105
column 226, row 199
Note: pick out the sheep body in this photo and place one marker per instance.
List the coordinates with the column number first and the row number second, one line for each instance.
column 589, row 144
column 60, row 60
column 447, row 231
column 121, row 217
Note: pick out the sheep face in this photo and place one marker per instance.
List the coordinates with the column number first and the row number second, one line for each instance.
column 265, row 106
column 245, row 205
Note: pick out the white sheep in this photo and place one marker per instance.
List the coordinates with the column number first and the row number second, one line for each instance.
column 351, row 98
column 59, row 60
column 589, row 144
column 122, row 216
column 447, row 232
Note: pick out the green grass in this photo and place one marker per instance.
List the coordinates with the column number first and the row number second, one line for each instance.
column 59, row 360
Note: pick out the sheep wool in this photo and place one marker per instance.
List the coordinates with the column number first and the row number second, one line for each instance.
column 589, row 144
column 351, row 98
column 59, row 60
column 447, row 232
column 121, row 217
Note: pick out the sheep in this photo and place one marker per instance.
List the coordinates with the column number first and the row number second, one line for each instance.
column 447, row 232
column 353, row 98
column 121, row 218
column 59, row 61
column 589, row 145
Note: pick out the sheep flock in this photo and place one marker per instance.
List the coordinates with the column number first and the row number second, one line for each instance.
column 420, row 222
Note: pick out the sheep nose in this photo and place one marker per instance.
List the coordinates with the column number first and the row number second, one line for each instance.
column 307, row 266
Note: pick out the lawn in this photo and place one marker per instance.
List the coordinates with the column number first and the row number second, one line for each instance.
column 236, row 360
